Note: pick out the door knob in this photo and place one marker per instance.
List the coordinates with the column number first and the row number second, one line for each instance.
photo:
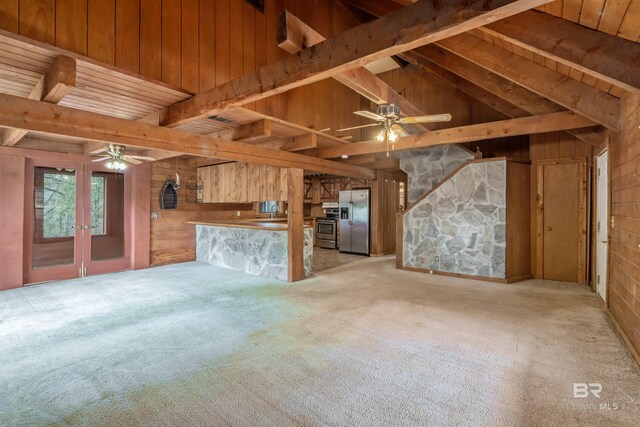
column 547, row 229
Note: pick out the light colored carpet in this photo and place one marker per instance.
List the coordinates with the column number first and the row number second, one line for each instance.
column 362, row 344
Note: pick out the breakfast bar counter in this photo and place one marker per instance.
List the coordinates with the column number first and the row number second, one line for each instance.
column 254, row 246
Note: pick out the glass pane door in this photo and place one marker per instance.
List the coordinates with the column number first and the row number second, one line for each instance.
column 54, row 251
column 106, row 223
column 54, row 217
column 78, row 224
column 107, row 215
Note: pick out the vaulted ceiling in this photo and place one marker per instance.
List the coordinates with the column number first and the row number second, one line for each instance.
column 561, row 67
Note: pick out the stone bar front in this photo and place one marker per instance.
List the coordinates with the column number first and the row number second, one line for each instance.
column 258, row 248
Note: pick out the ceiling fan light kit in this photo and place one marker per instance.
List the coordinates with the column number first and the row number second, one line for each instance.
column 117, row 160
column 388, row 116
column 116, row 165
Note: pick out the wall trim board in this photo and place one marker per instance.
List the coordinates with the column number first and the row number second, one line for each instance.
column 467, row 276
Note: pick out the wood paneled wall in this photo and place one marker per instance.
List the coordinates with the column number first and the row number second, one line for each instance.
column 549, row 146
column 193, row 44
column 385, row 204
column 624, row 259
column 172, row 238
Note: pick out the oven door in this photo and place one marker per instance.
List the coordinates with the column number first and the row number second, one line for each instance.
column 326, row 230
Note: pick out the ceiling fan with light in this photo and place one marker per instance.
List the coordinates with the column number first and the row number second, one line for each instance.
column 116, row 158
column 388, row 117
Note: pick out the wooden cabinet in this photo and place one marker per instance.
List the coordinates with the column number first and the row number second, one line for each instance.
column 319, row 190
column 239, row 182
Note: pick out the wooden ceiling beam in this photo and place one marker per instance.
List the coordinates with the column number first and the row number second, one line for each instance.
column 572, row 94
column 511, row 127
column 294, row 143
column 59, row 80
column 598, row 54
column 40, row 116
column 487, row 85
column 421, row 23
column 294, row 35
column 246, row 132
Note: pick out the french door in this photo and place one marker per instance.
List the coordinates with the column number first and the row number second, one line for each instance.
column 76, row 223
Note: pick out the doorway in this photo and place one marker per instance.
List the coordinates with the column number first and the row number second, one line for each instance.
column 75, row 221
column 602, row 224
column 561, row 220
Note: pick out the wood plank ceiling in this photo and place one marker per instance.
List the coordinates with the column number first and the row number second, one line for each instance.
column 105, row 90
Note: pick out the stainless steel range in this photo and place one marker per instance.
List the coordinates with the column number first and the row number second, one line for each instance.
column 327, row 229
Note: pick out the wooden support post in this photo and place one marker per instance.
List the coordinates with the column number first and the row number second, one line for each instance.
column 295, row 223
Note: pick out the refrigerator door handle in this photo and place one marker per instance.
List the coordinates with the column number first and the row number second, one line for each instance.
column 350, row 213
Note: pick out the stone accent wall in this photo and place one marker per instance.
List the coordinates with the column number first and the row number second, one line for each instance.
column 257, row 252
column 460, row 227
column 427, row 167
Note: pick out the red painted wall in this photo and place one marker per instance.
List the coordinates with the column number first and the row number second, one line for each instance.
column 12, row 178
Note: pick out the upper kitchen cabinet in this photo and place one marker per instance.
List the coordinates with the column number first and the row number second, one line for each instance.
column 238, row 182
column 319, row 190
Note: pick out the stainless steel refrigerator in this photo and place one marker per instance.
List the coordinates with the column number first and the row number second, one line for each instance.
column 355, row 216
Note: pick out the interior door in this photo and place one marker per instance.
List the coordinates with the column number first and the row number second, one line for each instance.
column 602, row 224
column 561, row 222
column 54, row 221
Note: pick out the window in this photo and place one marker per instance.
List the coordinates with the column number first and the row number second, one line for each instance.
column 98, row 201
column 59, row 205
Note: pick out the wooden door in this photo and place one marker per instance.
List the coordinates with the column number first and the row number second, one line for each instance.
column 75, row 221
column 53, row 220
column 562, row 221
column 106, row 224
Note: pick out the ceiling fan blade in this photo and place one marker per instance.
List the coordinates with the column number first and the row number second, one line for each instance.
column 128, row 159
column 399, row 130
column 147, row 158
column 358, row 127
column 370, row 115
column 426, row 119
column 102, row 159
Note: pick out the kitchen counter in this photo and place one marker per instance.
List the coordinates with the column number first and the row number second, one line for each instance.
column 255, row 246
column 276, row 224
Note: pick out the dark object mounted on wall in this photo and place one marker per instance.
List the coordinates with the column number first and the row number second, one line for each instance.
column 258, row 4
column 169, row 195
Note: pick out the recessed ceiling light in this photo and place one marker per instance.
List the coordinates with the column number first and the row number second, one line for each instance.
column 344, row 156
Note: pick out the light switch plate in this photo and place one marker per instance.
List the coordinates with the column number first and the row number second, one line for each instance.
column 154, row 215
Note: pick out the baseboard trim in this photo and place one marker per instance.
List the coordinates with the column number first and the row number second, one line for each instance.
column 467, row 276
column 634, row 352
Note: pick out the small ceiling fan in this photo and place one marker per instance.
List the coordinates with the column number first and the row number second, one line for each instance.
column 116, row 158
column 388, row 117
